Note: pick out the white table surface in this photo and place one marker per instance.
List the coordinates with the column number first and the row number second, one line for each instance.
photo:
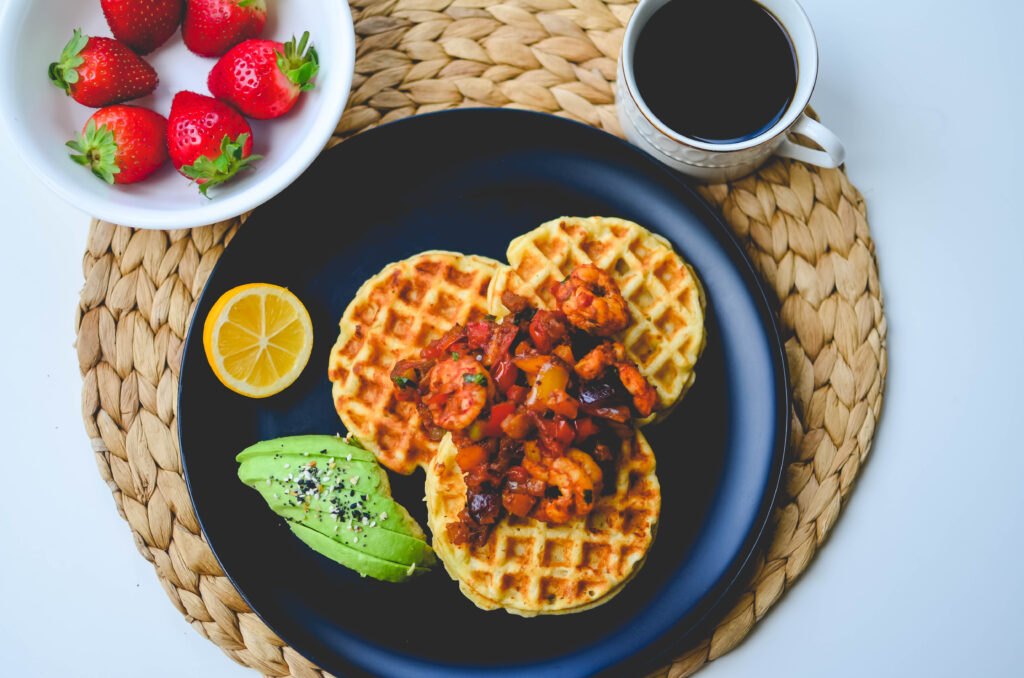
column 921, row 575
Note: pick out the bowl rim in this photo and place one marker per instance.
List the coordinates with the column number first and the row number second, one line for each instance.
column 332, row 105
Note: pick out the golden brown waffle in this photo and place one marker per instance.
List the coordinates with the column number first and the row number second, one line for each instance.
column 508, row 280
column 529, row 567
column 393, row 315
column 666, row 301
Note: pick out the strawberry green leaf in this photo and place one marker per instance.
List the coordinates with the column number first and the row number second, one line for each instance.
column 209, row 172
column 97, row 150
column 63, row 73
column 298, row 63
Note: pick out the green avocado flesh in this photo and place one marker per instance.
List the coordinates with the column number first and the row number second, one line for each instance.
column 357, row 560
column 360, row 476
column 338, row 501
column 347, row 505
column 330, row 446
column 383, row 544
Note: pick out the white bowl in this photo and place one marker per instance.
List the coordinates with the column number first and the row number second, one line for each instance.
column 40, row 118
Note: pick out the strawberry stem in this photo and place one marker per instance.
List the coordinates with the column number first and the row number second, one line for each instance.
column 209, row 172
column 62, row 73
column 97, row 150
column 298, row 63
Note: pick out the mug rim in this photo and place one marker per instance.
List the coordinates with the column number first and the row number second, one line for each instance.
column 807, row 68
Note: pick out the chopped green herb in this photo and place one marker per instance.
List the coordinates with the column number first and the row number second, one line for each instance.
column 477, row 378
column 455, row 355
column 403, row 382
column 490, row 318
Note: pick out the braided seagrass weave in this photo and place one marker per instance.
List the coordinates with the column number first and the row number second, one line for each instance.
column 804, row 228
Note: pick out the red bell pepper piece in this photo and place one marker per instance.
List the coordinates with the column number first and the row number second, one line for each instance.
column 504, row 374
column 517, row 394
column 478, row 333
column 564, row 431
column 548, row 328
column 498, row 414
column 437, row 348
column 585, row 427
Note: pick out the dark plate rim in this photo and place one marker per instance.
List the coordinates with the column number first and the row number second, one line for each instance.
column 658, row 651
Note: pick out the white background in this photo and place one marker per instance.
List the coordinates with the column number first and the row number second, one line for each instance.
column 922, row 573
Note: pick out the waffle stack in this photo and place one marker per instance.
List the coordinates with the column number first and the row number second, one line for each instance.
column 526, row 567
column 394, row 315
column 666, row 301
column 529, row 567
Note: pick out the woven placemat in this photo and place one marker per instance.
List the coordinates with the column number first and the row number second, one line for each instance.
column 804, row 228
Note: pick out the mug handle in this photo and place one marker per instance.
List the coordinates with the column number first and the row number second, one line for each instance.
column 833, row 155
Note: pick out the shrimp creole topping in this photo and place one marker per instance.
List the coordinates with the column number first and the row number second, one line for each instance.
column 538, row 403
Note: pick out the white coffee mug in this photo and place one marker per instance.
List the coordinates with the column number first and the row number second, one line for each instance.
column 715, row 162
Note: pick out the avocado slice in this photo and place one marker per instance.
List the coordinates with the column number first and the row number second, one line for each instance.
column 331, row 474
column 368, row 538
column 337, row 499
column 313, row 445
column 385, row 511
column 362, row 563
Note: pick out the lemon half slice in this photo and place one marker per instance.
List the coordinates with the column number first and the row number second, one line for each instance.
column 257, row 339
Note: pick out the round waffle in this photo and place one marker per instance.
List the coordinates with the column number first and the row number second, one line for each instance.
column 507, row 280
column 394, row 314
column 529, row 567
column 665, row 298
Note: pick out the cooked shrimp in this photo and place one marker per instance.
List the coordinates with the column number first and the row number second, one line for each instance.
column 645, row 398
column 591, row 301
column 536, row 469
column 587, row 463
column 593, row 365
column 457, row 392
column 572, row 483
column 612, row 354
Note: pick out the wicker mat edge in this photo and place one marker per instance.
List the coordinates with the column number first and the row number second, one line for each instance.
column 804, row 228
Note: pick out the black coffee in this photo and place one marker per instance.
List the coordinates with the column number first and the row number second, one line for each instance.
column 719, row 71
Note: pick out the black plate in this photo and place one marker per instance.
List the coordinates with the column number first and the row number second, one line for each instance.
column 471, row 181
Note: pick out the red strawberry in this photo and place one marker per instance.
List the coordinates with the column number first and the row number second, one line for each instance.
column 122, row 144
column 263, row 78
column 101, row 71
column 212, row 27
column 143, row 25
column 208, row 140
